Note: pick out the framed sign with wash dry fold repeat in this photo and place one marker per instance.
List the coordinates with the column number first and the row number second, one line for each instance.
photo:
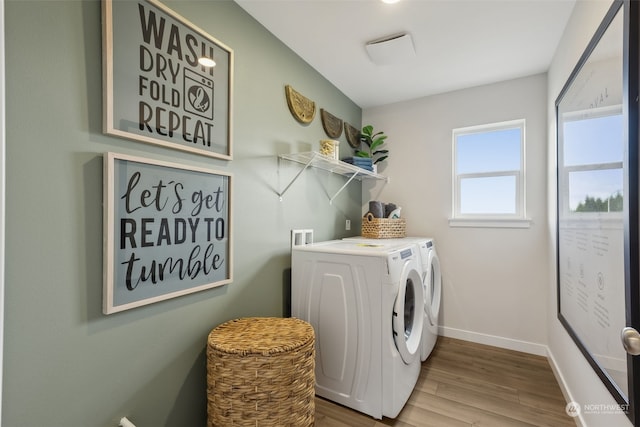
column 165, row 81
column 167, row 231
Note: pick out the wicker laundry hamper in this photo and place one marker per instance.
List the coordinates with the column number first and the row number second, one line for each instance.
column 260, row 373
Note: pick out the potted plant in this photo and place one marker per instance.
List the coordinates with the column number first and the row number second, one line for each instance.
column 373, row 141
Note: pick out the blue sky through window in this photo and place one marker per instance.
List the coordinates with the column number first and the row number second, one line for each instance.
column 488, row 195
column 493, row 151
column 594, row 141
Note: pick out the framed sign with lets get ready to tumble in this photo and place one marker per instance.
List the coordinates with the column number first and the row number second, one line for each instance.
column 167, row 230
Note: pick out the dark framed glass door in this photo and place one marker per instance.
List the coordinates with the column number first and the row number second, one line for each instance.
column 598, row 205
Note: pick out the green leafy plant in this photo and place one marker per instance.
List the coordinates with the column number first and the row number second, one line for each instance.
column 372, row 141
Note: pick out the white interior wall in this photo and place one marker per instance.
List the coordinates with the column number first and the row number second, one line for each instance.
column 494, row 279
column 499, row 284
column 580, row 382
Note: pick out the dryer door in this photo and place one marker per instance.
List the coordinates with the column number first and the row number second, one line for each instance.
column 434, row 288
column 408, row 315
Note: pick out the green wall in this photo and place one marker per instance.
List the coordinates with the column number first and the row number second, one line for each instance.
column 67, row 364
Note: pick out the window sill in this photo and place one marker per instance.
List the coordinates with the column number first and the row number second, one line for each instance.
column 490, row 222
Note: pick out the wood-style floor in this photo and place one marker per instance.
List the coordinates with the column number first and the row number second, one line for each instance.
column 466, row 384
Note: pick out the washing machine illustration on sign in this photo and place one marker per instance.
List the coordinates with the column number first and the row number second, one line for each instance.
column 198, row 90
column 366, row 304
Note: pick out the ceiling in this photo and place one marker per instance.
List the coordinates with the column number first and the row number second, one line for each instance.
column 458, row 43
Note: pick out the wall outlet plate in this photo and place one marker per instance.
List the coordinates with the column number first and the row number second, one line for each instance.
column 301, row 237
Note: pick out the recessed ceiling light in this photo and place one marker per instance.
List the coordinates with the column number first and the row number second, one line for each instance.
column 206, row 62
column 390, row 1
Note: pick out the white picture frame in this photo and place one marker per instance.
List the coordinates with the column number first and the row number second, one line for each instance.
column 167, row 230
column 155, row 89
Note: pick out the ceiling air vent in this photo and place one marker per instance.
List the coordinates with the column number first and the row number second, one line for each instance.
column 391, row 49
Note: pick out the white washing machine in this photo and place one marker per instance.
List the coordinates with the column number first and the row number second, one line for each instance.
column 431, row 281
column 365, row 302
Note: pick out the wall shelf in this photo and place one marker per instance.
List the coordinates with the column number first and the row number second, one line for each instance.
column 320, row 161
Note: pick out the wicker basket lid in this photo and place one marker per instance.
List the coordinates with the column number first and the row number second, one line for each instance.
column 260, row 335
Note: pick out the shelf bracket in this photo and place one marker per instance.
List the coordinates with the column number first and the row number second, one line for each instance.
column 343, row 187
column 296, row 177
column 316, row 160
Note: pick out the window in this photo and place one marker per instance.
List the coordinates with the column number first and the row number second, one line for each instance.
column 488, row 175
column 591, row 163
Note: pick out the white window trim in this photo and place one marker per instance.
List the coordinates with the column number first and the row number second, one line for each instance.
column 490, row 222
column 517, row 220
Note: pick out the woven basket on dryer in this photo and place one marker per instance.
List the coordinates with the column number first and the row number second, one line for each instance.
column 260, row 373
column 383, row 228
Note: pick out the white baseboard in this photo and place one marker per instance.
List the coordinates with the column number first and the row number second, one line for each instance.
column 496, row 341
column 579, row 420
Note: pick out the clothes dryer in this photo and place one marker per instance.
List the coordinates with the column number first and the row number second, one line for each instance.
column 431, row 281
column 365, row 302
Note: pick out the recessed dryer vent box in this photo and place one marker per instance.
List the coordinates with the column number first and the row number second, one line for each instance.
column 301, row 237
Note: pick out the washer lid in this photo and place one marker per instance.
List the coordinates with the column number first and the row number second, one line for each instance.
column 355, row 247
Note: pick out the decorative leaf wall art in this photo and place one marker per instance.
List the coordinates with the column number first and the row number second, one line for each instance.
column 302, row 108
column 332, row 125
column 352, row 134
